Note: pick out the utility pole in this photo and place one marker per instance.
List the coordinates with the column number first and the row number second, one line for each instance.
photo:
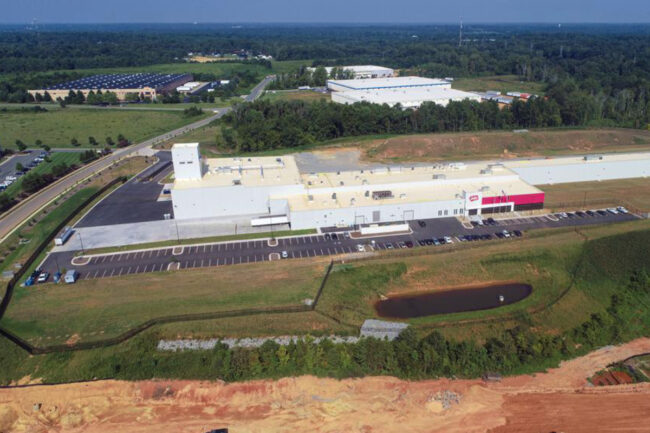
column 460, row 33
column 82, row 244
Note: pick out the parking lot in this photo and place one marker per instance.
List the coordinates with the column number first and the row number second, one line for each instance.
column 327, row 244
column 136, row 200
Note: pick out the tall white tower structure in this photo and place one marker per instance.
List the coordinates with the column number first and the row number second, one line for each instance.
column 187, row 161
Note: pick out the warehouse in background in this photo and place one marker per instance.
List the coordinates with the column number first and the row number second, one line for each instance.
column 408, row 92
column 144, row 85
column 360, row 71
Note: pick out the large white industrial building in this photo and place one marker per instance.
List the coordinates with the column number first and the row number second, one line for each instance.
column 408, row 92
column 273, row 190
column 262, row 187
column 362, row 71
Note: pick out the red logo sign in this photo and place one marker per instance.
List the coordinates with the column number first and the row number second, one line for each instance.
column 473, row 197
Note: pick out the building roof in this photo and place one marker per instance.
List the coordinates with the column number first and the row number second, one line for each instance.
column 408, row 193
column 582, row 159
column 120, row 81
column 407, row 97
column 251, row 172
column 388, row 82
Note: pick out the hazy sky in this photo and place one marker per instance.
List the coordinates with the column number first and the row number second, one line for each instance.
column 310, row 11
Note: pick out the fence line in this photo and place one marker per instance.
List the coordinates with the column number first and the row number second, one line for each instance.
column 43, row 245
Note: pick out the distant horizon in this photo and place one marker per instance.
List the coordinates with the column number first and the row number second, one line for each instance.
column 325, row 23
column 355, row 12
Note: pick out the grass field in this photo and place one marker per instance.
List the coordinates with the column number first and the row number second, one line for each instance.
column 94, row 309
column 69, row 158
column 634, row 193
column 101, row 308
column 300, row 95
column 497, row 144
column 57, row 127
column 502, row 83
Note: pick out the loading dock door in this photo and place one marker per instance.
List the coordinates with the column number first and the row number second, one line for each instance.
column 376, row 216
column 409, row 215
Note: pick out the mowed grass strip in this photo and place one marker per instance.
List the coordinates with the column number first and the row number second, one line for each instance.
column 498, row 144
column 630, row 192
column 58, row 127
column 106, row 307
column 300, row 95
column 69, row 158
column 501, row 83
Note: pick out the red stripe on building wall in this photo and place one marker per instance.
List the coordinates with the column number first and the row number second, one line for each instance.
column 518, row 199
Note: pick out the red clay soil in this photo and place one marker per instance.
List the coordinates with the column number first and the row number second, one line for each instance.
column 559, row 400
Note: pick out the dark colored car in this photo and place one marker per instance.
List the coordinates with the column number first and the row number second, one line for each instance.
column 570, row 215
column 335, row 237
column 327, row 236
column 442, row 241
column 602, row 212
column 491, row 221
column 581, row 214
column 408, row 244
column 429, row 242
column 591, row 213
column 474, row 223
column 422, row 243
column 422, row 224
column 517, row 233
column 499, row 235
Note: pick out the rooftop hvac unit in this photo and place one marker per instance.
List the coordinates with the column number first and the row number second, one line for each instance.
column 379, row 195
column 236, row 181
column 440, row 176
column 593, row 157
column 310, row 198
column 366, row 194
column 402, row 195
column 333, row 196
column 485, row 188
column 486, row 171
column 342, row 183
column 353, row 201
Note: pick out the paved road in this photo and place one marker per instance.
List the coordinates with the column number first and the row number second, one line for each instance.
column 18, row 214
column 231, row 253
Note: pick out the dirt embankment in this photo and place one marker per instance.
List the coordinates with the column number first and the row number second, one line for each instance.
column 559, row 400
column 480, row 145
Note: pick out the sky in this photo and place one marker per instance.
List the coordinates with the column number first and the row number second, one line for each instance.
column 324, row 11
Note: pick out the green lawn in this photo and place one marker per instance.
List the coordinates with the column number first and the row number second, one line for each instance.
column 502, row 83
column 69, row 158
column 96, row 309
column 57, row 127
column 300, row 95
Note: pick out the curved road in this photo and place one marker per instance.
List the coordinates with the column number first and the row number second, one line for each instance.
column 13, row 218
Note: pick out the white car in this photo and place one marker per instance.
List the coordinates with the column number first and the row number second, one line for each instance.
column 506, row 233
column 612, row 211
column 285, row 255
column 621, row 209
column 448, row 240
column 43, row 277
column 360, row 248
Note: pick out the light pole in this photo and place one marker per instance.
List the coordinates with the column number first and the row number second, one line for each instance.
column 82, row 243
column 178, row 236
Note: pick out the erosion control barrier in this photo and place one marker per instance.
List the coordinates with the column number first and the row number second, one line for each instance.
column 43, row 246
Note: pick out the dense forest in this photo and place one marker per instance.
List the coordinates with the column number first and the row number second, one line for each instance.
column 608, row 62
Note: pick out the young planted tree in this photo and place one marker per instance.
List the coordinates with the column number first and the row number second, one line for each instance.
column 20, row 145
column 92, row 141
column 75, row 142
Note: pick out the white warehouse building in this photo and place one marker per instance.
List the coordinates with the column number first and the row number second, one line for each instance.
column 273, row 187
column 409, row 92
column 362, row 71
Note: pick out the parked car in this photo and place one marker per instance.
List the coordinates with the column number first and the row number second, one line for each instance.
column 601, row 212
column 591, row 213
column 436, row 242
column 570, row 215
column 360, row 248
column 448, row 240
column 622, row 210
column 422, row 223
column 71, row 276
column 57, row 277
column 43, row 277
column 327, row 236
column 613, row 211
column 581, row 214
column 517, row 233
column 284, row 254
column 499, row 235
column 401, row 245
column 429, row 242
column 389, row 246
column 492, row 222
column 506, row 234
column 335, row 237
column 346, row 235
column 408, row 244
column 422, row 242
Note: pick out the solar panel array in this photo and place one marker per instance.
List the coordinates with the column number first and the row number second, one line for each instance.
column 121, row 81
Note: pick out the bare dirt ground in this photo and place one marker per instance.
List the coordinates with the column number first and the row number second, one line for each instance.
column 480, row 145
column 559, row 400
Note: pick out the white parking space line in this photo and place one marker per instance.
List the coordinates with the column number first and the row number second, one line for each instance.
column 293, row 256
column 210, row 262
column 194, row 264
column 106, row 270
column 336, row 251
column 121, row 269
column 136, row 269
column 129, row 271
column 112, row 272
column 103, row 259
column 233, row 261
column 145, row 268
column 329, row 253
column 201, row 262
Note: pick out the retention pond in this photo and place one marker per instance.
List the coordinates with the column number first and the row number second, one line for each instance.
column 452, row 301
